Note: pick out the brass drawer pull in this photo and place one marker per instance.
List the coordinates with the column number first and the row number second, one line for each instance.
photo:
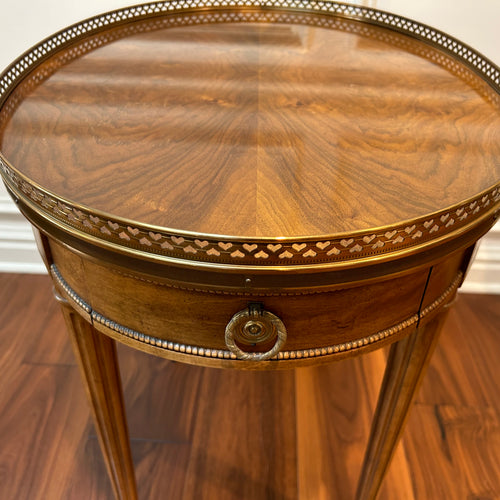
column 253, row 326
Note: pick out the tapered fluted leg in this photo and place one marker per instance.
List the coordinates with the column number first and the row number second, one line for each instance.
column 406, row 365
column 96, row 355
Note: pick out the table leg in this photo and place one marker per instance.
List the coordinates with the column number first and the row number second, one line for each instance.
column 406, row 365
column 96, row 355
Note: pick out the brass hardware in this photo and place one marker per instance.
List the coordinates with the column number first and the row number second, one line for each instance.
column 253, row 326
column 297, row 356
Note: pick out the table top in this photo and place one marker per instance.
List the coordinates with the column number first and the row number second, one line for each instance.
column 256, row 135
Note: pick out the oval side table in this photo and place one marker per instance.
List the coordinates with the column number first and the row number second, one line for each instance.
column 253, row 185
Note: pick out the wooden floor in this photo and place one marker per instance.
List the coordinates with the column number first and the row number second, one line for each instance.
column 209, row 434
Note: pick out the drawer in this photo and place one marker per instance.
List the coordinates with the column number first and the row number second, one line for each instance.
column 163, row 314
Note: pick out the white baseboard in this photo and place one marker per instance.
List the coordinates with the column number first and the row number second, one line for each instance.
column 18, row 251
column 484, row 274
column 482, row 279
column 19, row 254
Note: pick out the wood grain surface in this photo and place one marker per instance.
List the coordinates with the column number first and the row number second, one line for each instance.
column 210, row 434
column 98, row 362
column 228, row 125
column 255, row 129
column 406, row 364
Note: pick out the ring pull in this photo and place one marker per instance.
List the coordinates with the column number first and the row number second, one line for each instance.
column 253, row 326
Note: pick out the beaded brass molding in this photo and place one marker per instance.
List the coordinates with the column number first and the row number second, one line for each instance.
column 283, row 355
column 70, row 292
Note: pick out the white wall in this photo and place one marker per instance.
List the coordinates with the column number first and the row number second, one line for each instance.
column 27, row 22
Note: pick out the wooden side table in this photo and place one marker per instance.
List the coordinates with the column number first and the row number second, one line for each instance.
column 253, row 185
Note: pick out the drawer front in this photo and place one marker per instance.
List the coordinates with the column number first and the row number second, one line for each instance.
column 193, row 322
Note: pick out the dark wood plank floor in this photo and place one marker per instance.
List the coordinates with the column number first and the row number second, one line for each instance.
column 219, row 435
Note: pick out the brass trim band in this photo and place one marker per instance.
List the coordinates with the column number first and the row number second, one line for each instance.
column 343, row 249
column 481, row 65
column 170, row 346
column 208, row 250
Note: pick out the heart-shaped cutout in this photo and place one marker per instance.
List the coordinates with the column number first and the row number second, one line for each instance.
column 323, row 244
column 261, row 255
column 178, row 240
column 155, row 236
column 310, row 253
column 201, row 243
column 274, row 248
column 249, row 248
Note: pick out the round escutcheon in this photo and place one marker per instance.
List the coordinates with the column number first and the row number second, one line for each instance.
column 253, row 326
